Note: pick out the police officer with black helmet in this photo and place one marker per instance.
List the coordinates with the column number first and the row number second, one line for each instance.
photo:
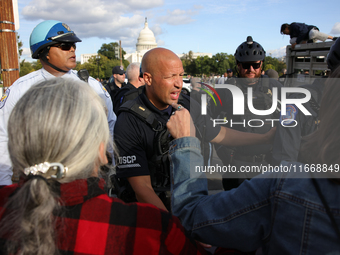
column 250, row 57
column 287, row 140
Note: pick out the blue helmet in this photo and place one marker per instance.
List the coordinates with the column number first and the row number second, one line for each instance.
column 50, row 32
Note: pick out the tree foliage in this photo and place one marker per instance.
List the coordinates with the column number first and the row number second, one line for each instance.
column 20, row 44
column 108, row 50
column 25, row 68
column 101, row 67
column 28, row 67
column 275, row 64
column 220, row 62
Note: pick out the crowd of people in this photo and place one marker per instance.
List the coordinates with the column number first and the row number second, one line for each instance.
column 60, row 129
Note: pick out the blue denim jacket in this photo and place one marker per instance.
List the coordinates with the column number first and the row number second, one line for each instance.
column 281, row 215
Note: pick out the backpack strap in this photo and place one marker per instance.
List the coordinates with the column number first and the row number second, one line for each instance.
column 132, row 94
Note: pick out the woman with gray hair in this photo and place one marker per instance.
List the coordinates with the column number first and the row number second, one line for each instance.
column 58, row 135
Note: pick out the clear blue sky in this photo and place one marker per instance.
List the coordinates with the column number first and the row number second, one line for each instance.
column 201, row 26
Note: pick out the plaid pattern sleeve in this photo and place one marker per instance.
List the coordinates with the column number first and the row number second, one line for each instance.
column 93, row 223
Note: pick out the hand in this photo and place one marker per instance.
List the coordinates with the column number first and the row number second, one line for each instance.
column 205, row 246
column 180, row 123
column 293, row 45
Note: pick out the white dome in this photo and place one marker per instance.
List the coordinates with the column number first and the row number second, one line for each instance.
column 146, row 39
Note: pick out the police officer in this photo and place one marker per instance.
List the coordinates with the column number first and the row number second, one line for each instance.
column 135, row 81
column 116, row 81
column 140, row 127
column 54, row 44
column 288, row 139
column 249, row 56
column 143, row 156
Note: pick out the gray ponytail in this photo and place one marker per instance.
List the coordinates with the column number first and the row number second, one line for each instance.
column 29, row 220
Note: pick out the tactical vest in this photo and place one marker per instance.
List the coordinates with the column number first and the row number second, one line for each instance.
column 251, row 123
column 159, row 164
column 314, row 102
column 262, row 100
column 132, row 94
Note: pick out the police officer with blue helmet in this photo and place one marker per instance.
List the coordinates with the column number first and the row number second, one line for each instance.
column 54, row 44
column 287, row 140
column 49, row 34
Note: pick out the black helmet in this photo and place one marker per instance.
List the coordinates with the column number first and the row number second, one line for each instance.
column 333, row 57
column 250, row 51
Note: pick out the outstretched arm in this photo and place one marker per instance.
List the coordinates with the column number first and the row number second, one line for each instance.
column 231, row 137
column 212, row 219
column 144, row 191
column 181, row 125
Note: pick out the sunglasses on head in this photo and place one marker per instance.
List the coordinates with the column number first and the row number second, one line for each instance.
column 65, row 46
column 254, row 65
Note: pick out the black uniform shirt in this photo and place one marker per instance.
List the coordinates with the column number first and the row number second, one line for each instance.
column 117, row 100
column 112, row 88
column 288, row 139
column 240, row 122
column 135, row 139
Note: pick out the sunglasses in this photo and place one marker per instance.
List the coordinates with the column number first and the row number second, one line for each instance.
column 65, row 46
column 248, row 65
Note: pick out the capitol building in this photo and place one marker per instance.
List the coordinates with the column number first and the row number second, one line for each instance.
column 146, row 41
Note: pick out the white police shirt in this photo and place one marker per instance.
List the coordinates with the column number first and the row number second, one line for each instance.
column 16, row 91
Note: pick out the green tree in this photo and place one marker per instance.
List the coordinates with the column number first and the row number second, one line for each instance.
column 100, row 67
column 204, row 65
column 25, row 68
column 220, row 63
column 20, row 44
column 274, row 63
column 268, row 66
column 188, row 63
column 108, row 50
column 36, row 65
column 281, row 65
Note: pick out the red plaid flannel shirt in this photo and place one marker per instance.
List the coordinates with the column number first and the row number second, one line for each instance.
column 94, row 223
